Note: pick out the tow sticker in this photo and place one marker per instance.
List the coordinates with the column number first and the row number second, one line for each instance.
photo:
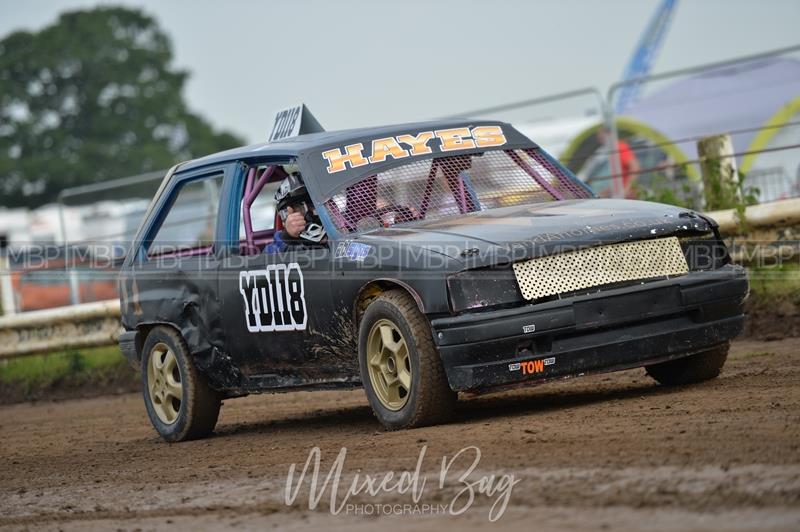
column 274, row 299
column 532, row 367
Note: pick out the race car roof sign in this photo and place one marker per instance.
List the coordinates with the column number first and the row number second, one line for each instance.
column 294, row 121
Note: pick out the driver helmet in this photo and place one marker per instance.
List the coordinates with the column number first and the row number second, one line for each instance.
column 292, row 193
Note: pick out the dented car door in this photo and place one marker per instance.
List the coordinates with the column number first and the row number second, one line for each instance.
column 278, row 315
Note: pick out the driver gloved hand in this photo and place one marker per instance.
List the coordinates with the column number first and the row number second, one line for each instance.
column 294, row 224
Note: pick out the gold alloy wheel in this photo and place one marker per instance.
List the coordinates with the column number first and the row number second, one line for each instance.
column 164, row 383
column 389, row 364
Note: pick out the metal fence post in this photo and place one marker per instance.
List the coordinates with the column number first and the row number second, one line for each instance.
column 612, row 146
column 718, row 168
column 72, row 275
column 6, row 286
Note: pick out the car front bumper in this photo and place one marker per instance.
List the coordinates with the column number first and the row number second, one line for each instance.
column 605, row 331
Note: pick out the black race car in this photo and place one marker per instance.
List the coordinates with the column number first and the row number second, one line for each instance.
column 436, row 258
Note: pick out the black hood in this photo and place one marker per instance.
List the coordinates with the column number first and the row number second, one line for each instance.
column 525, row 231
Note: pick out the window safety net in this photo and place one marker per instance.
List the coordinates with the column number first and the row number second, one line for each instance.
column 450, row 186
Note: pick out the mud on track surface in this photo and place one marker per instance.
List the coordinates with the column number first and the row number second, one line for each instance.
column 592, row 453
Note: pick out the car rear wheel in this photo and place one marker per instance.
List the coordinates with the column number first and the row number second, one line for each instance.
column 694, row 368
column 180, row 404
column 401, row 370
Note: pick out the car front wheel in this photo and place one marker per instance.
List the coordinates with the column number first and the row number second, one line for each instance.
column 694, row 368
column 180, row 404
column 401, row 370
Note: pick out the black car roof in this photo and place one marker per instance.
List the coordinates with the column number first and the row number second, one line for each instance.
column 309, row 147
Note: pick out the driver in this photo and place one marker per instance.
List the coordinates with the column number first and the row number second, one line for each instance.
column 301, row 223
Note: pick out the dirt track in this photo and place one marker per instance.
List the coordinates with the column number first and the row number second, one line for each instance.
column 610, row 450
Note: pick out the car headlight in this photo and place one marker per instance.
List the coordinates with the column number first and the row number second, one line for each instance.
column 481, row 288
column 705, row 252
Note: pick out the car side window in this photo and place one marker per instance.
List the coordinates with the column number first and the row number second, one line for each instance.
column 190, row 224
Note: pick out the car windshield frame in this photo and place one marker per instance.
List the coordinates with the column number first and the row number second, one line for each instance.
column 537, row 178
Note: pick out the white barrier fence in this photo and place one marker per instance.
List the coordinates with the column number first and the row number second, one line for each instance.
column 43, row 331
column 782, row 213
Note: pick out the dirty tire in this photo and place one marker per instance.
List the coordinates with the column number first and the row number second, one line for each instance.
column 694, row 368
column 430, row 399
column 199, row 406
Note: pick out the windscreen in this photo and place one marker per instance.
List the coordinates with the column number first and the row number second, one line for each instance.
column 450, row 186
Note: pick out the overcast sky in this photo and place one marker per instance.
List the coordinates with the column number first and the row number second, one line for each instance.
column 360, row 63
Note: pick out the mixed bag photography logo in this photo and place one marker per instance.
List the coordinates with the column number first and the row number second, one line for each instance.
column 453, row 488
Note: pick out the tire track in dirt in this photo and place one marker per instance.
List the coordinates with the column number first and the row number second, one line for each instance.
column 720, row 454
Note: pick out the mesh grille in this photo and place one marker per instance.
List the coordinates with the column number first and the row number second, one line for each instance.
column 448, row 186
column 576, row 270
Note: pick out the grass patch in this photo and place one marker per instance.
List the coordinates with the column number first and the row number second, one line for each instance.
column 780, row 282
column 755, row 354
column 41, row 369
column 773, row 308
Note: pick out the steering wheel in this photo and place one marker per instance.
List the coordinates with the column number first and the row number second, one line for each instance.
column 402, row 214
